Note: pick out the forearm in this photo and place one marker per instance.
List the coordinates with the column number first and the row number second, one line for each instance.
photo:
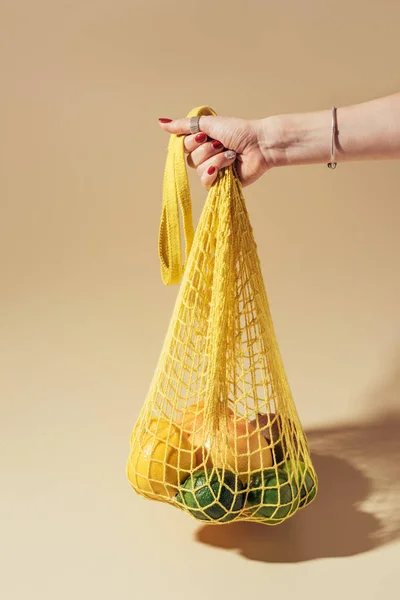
column 367, row 131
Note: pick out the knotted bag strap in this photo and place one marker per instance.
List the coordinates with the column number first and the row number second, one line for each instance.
column 176, row 194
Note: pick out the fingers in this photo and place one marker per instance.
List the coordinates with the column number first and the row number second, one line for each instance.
column 208, row 170
column 200, row 152
column 194, row 141
column 205, row 155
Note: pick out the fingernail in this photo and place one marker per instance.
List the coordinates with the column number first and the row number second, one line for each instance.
column 165, row 120
column 211, row 170
column 230, row 154
column 216, row 144
column 200, row 137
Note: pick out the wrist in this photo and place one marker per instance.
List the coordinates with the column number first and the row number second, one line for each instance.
column 272, row 140
column 296, row 139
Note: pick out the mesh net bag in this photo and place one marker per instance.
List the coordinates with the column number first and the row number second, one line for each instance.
column 218, row 435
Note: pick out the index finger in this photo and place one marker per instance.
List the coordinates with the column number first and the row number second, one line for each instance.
column 181, row 126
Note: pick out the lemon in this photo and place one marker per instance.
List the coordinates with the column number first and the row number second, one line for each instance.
column 154, row 425
column 213, row 495
column 162, row 461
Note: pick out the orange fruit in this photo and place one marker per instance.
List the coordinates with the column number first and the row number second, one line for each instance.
column 248, row 450
column 192, row 423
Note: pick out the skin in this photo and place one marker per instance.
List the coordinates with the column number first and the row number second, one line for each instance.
column 366, row 131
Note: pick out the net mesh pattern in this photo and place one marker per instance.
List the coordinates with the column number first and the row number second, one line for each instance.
column 218, row 436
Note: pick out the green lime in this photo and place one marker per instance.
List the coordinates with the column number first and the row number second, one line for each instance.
column 213, row 495
column 307, row 481
column 272, row 494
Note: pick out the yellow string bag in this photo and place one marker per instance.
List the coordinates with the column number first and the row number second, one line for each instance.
column 218, row 435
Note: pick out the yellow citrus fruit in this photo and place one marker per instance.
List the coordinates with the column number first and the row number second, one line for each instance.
column 162, row 461
column 154, row 425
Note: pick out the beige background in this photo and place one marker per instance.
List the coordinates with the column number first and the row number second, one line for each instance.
column 83, row 310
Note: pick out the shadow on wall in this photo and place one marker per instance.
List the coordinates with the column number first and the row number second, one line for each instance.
column 358, row 505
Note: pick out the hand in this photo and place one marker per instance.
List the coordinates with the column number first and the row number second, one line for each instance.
column 207, row 150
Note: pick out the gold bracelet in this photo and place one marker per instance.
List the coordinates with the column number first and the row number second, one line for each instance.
column 332, row 164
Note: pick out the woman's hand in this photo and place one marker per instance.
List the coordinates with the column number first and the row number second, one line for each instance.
column 366, row 131
column 221, row 142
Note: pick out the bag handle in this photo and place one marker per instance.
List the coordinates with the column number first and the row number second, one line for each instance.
column 176, row 195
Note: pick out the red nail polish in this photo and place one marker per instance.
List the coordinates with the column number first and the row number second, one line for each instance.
column 211, row 170
column 200, row 137
column 216, row 144
column 165, row 120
